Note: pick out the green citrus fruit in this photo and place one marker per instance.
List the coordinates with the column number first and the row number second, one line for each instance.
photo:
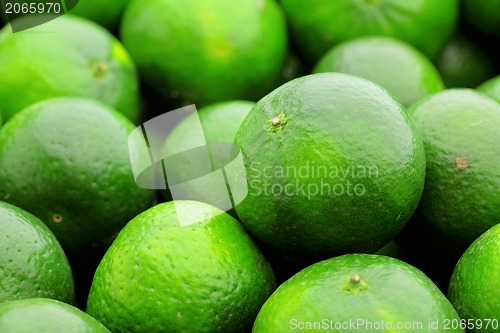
column 483, row 14
column 43, row 315
column 475, row 284
column 491, row 88
column 395, row 65
column 106, row 13
column 219, row 123
column 32, row 263
column 356, row 293
column 320, row 24
column 66, row 161
column 462, row 186
column 68, row 56
column 390, row 249
column 206, row 51
column 463, row 64
column 333, row 165
column 185, row 266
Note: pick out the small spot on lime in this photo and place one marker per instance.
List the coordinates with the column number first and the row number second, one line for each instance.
column 57, row 218
column 461, row 163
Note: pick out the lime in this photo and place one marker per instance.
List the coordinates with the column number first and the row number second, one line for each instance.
column 66, row 161
column 462, row 186
column 318, row 25
column 390, row 249
column 106, row 13
column 185, row 266
column 206, row 51
column 483, row 14
column 219, row 122
column 357, row 293
column 475, row 284
column 45, row 316
column 463, row 64
column 395, row 65
column 333, row 165
column 32, row 263
column 68, row 56
column 491, row 88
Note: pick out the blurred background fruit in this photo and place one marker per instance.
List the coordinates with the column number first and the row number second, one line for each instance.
column 207, row 51
column 357, row 287
column 475, row 284
column 184, row 265
column 106, row 13
column 69, row 56
column 344, row 174
column 462, row 187
column 318, row 25
column 395, row 65
column 219, row 123
column 491, row 88
column 462, row 64
column 66, row 161
column 45, row 316
column 32, row 262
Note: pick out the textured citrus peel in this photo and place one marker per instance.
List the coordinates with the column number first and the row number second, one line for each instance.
column 276, row 124
column 354, row 284
column 461, row 162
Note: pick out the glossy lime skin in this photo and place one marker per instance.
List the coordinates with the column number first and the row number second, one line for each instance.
column 205, row 275
column 394, row 292
column 463, row 65
column 341, row 124
column 317, row 25
column 69, row 56
column 106, row 13
column 491, row 88
column 475, row 285
column 33, row 264
column 219, row 122
column 66, row 161
column 46, row 316
column 207, row 51
column 462, row 186
column 483, row 14
column 393, row 64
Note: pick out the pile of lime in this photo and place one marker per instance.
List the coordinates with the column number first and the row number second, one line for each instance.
column 250, row 166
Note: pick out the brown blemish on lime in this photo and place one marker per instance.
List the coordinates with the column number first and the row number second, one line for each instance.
column 6, row 300
column 99, row 69
column 275, row 121
column 57, row 218
column 461, row 163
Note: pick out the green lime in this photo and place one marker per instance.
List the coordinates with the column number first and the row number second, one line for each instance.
column 462, row 186
column 43, row 315
column 395, row 65
column 106, row 13
column 32, row 263
column 333, row 165
column 475, row 284
column 390, row 249
column 483, row 14
column 206, row 51
column 357, row 293
column 318, row 25
column 185, row 266
column 66, row 161
column 463, row 64
column 68, row 56
column 219, row 123
column 491, row 88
